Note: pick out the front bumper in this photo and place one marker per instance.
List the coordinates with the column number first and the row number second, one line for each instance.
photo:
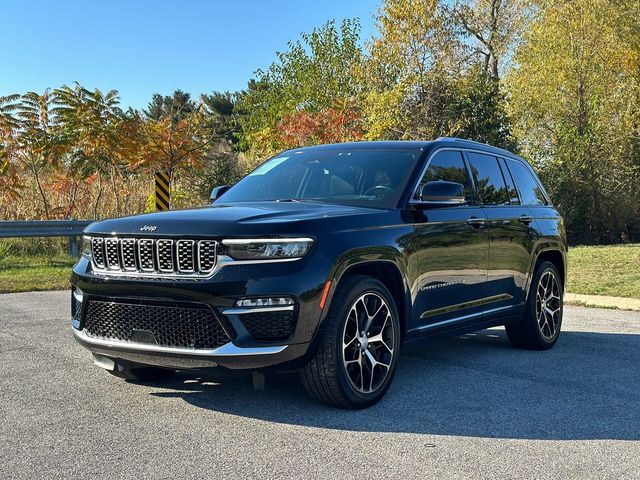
column 229, row 355
column 298, row 280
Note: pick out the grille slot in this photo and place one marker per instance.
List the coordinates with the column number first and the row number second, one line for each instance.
column 111, row 253
column 185, row 256
column 164, row 254
column 97, row 247
column 188, row 326
column 269, row 326
column 128, row 249
column 206, row 255
column 147, row 256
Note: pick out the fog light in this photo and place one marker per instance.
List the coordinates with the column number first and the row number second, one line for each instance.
column 265, row 302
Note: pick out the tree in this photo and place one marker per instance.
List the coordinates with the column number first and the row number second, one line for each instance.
column 423, row 82
column 38, row 144
column 493, row 27
column 575, row 100
column 9, row 182
column 315, row 74
column 177, row 106
column 100, row 139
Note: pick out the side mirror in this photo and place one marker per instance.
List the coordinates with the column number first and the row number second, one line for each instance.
column 441, row 193
column 217, row 192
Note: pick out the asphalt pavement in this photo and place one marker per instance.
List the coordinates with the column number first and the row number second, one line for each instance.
column 471, row 407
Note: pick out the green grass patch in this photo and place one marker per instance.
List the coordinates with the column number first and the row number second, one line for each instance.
column 605, row 270
column 20, row 273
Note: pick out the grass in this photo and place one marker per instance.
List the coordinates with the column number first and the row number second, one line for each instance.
column 601, row 270
column 29, row 264
column 605, row 270
column 36, row 272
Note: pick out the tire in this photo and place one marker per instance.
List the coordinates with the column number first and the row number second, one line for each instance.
column 344, row 375
column 540, row 326
column 141, row 373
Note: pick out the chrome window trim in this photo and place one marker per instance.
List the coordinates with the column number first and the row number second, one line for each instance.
column 226, row 350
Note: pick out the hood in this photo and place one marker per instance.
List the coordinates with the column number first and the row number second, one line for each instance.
column 260, row 218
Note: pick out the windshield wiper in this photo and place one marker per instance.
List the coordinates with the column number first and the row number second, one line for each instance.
column 288, row 200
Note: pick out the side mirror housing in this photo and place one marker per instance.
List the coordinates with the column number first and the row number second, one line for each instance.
column 441, row 193
column 217, row 192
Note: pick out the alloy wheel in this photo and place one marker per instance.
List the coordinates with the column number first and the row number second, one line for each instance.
column 548, row 305
column 368, row 343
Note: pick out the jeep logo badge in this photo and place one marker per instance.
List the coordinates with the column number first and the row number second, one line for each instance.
column 148, row 228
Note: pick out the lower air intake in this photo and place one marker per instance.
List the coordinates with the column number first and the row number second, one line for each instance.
column 189, row 326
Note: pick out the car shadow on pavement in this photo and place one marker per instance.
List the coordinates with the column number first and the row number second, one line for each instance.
column 586, row 387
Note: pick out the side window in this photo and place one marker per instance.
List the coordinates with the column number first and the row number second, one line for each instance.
column 530, row 191
column 491, row 187
column 511, row 187
column 446, row 165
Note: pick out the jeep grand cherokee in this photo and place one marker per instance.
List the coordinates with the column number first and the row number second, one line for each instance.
column 326, row 260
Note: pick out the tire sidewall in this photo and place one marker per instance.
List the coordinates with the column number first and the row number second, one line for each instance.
column 360, row 288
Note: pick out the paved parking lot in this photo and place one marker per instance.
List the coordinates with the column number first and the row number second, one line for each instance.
column 471, row 407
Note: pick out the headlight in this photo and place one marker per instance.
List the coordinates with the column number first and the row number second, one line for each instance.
column 267, row 249
column 86, row 246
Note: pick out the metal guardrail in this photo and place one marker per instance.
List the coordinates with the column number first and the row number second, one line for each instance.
column 46, row 228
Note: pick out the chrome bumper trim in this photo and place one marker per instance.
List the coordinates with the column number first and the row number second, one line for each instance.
column 227, row 350
column 242, row 311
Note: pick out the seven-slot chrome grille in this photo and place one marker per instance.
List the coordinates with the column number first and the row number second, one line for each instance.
column 148, row 256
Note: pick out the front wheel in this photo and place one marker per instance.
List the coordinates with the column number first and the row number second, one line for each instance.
column 357, row 346
column 540, row 326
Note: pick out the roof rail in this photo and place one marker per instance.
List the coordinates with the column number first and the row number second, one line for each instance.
column 456, row 139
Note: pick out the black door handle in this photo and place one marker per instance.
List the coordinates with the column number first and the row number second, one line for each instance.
column 526, row 219
column 476, row 222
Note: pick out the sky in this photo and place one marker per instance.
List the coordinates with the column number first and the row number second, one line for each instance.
column 141, row 47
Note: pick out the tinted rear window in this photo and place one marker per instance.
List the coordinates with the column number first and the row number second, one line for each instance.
column 491, row 187
column 530, row 191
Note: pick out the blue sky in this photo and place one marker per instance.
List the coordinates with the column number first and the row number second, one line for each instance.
column 142, row 47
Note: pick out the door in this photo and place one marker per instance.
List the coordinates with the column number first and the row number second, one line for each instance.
column 453, row 250
column 511, row 237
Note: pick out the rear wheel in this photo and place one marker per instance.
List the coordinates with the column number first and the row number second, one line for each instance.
column 540, row 326
column 357, row 346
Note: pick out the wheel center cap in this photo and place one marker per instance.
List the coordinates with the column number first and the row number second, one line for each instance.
column 364, row 343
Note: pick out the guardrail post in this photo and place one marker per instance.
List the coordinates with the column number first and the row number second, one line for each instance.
column 73, row 247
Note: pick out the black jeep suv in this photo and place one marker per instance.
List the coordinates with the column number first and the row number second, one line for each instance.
column 326, row 260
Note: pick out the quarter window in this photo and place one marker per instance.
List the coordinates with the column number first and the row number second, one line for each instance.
column 530, row 191
column 447, row 165
column 491, row 186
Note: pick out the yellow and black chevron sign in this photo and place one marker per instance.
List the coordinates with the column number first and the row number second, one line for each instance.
column 163, row 189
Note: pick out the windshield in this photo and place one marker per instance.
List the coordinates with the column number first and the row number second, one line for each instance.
column 352, row 176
